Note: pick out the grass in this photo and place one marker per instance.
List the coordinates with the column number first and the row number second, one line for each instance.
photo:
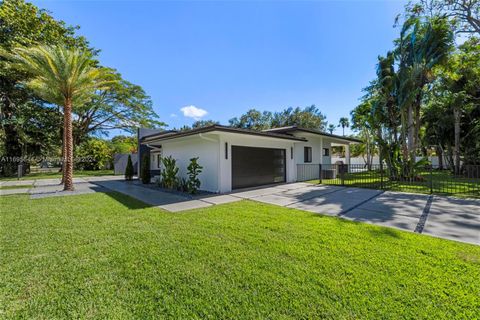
column 441, row 182
column 110, row 256
column 52, row 175
column 27, row 186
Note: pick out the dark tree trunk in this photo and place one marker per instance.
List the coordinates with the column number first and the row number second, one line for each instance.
column 456, row 116
column 440, row 157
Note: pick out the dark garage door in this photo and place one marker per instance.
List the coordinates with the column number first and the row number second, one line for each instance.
column 257, row 166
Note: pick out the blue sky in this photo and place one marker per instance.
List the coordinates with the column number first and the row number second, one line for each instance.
column 225, row 57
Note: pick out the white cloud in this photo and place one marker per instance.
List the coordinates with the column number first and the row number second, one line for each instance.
column 193, row 112
column 173, row 115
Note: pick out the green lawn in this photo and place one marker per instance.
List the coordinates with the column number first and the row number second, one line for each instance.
column 109, row 256
column 51, row 175
column 26, row 186
column 441, row 182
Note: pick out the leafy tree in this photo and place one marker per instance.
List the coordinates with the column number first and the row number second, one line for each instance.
column 344, row 123
column 464, row 14
column 309, row 117
column 65, row 77
column 145, row 169
column 455, row 97
column 204, row 123
column 193, row 170
column 23, row 25
column 123, row 144
column 361, row 122
column 121, row 105
column 253, row 119
column 94, row 154
column 129, row 169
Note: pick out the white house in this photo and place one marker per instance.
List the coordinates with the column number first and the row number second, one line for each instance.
column 235, row 158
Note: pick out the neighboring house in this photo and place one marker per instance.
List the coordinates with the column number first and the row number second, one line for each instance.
column 235, row 158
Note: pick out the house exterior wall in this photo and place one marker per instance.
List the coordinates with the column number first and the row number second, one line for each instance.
column 207, row 151
column 317, row 143
column 214, row 150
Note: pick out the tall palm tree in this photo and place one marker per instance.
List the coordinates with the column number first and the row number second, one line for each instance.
column 423, row 45
column 344, row 123
column 65, row 77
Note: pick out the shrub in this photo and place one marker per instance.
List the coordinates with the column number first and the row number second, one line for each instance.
column 145, row 170
column 95, row 154
column 193, row 170
column 129, row 169
column 182, row 185
column 169, row 172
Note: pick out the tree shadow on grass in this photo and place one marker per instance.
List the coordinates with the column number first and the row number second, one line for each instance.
column 127, row 201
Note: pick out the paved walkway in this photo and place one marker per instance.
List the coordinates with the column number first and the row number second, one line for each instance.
column 445, row 217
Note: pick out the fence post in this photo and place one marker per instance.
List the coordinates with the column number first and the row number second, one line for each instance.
column 381, row 177
column 431, row 179
column 319, row 173
column 342, row 175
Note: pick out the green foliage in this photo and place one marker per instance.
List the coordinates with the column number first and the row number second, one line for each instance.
column 296, row 265
column 129, row 169
column 29, row 126
column 169, row 173
column 308, row 117
column 193, row 170
column 145, row 169
column 182, row 185
column 121, row 105
column 123, row 144
column 93, row 154
column 204, row 123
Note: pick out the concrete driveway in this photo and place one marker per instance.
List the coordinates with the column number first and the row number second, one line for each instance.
column 444, row 217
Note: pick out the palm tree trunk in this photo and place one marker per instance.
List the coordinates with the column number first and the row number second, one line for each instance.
column 63, row 157
column 456, row 116
column 68, row 143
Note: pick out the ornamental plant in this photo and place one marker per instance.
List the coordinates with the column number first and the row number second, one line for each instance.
column 193, row 170
column 169, row 172
column 129, row 169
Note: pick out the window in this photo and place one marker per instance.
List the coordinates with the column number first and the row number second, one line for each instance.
column 326, row 152
column 226, row 150
column 307, row 154
column 159, row 160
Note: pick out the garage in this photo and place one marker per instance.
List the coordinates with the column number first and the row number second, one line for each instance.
column 257, row 166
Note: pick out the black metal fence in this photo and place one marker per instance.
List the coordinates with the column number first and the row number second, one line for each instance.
column 428, row 179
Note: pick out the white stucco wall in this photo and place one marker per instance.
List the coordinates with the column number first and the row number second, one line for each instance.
column 189, row 147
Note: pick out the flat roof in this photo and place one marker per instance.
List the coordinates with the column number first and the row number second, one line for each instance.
column 289, row 129
column 178, row 134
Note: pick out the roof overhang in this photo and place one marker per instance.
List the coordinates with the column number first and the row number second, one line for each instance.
column 163, row 136
column 335, row 138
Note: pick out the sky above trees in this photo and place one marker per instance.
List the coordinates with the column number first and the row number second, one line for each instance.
column 216, row 60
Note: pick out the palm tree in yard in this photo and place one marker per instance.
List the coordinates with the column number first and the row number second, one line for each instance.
column 344, row 123
column 331, row 128
column 65, row 77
